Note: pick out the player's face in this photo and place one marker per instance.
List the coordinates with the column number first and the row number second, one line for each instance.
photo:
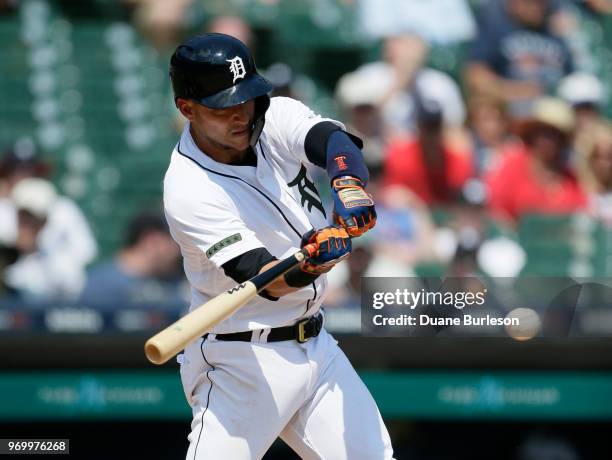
column 223, row 130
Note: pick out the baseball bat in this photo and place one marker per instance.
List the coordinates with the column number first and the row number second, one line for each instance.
column 167, row 343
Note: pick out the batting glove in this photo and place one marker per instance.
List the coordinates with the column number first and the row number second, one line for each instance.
column 353, row 206
column 334, row 245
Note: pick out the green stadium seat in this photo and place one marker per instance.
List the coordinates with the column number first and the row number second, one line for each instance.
column 559, row 245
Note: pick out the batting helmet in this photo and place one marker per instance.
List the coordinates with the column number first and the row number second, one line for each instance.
column 217, row 71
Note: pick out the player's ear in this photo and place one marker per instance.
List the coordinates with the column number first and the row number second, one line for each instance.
column 185, row 106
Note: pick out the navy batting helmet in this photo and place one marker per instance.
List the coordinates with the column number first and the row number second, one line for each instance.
column 217, row 71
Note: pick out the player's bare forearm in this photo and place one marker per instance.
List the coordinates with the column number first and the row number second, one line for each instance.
column 279, row 287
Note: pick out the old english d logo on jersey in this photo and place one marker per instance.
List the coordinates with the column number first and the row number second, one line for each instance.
column 308, row 192
column 225, row 242
column 237, row 68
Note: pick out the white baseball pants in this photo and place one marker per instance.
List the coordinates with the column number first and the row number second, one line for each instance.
column 246, row 394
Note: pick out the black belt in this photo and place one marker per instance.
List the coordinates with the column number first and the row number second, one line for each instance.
column 302, row 331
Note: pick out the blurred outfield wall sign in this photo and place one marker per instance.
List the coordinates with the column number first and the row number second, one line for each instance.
column 433, row 395
column 91, row 395
column 493, row 395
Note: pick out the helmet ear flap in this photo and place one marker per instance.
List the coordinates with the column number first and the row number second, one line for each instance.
column 262, row 103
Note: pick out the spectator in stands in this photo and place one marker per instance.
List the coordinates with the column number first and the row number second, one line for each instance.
column 360, row 102
column 49, row 267
column 404, row 234
column 576, row 22
column 443, row 22
column 426, row 164
column 234, row 26
column 15, row 165
column 595, row 168
column 66, row 239
column 403, row 73
column 468, row 221
column 160, row 21
column 145, row 271
column 535, row 177
column 490, row 131
column 516, row 58
column 585, row 93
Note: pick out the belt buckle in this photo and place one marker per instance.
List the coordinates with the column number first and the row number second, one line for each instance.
column 301, row 332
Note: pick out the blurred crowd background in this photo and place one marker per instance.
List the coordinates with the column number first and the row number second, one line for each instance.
column 486, row 126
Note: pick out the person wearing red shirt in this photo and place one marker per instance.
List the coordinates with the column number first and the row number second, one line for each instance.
column 434, row 171
column 534, row 176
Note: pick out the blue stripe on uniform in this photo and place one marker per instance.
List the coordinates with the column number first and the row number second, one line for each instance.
column 195, row 451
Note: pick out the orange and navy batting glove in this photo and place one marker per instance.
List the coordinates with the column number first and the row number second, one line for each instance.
column 334, row 245
column 353, row 206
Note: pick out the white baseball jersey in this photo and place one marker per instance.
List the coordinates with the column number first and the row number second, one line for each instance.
column 218, row 211
column 244, row 395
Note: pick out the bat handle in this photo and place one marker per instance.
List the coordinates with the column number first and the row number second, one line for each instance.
column 264, row 279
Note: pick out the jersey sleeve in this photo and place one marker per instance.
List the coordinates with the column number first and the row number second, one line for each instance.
column 213, row 230
column 288, row 122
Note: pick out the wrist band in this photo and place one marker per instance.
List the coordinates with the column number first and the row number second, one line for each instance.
column 344, row 158
column 296, row 277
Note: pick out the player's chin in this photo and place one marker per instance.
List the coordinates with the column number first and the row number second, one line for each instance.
column 241, row 140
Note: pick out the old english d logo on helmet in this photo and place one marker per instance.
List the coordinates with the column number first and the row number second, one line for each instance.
column 217, row 71
column 236, row 68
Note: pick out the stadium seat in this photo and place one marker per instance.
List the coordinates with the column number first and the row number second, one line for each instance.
column 559, row 245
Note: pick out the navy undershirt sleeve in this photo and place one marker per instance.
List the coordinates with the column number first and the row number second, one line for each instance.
column 335, row 150
column 344, row 158
column 247, row 265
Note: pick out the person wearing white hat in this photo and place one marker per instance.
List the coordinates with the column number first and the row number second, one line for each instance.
column 34, row 196
column 587, row 95
column 50, row 265
column 580, row 88
column 66, row 233
column 360, row 94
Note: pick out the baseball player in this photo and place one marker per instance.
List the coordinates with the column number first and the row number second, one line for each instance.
column 238, row 198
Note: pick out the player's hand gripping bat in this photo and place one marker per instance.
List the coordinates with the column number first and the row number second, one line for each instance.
column 167, row 343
